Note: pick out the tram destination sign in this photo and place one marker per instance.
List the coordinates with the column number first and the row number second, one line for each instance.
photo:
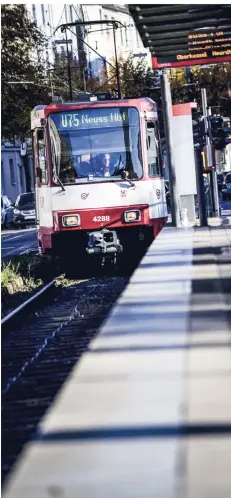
column 204, row 47
column 95, row 118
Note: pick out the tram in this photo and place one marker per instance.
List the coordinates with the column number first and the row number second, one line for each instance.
column 98, row 178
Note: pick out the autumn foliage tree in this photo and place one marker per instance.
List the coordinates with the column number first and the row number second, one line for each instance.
column 217, row 81
column 135, row 77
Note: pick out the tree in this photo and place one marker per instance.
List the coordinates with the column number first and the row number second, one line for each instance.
column 22, row 46
column 136, row 78
column 216, row 79
column 80, row 81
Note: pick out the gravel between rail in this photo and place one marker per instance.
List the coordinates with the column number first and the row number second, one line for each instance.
column 39, row 353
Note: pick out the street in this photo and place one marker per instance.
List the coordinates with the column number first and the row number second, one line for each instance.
column 15, row 242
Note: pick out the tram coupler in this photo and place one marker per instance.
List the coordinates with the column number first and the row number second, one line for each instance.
column 103, row 243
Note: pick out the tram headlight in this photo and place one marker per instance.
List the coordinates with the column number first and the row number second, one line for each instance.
column 132, row 216
column 71, row 220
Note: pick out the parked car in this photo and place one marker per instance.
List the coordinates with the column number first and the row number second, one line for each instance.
column 226, row 191
column 24, row 211
column 7, row 209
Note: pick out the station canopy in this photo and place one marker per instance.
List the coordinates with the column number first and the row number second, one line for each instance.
column 184, row 35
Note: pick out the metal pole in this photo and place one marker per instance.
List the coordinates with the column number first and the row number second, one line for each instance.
column 69, row 70
column 210, row 157
column 167, row 112
column 200, row 189
column 214, row 171
column 117, row 66
column 84, row 81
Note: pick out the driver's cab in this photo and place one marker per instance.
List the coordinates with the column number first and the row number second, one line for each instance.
column 99, row 165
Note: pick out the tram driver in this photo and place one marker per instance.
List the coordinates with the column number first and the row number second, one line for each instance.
column 102, row 165
column 108, row 164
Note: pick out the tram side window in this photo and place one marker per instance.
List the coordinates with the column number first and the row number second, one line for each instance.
column 154, row 162
column 42, row 157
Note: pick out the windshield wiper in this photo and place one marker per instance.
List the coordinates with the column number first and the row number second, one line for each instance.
column 57, row 180
column 124, row 176
column 123, row 173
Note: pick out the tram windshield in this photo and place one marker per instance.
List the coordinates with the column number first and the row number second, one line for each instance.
column 96, row 143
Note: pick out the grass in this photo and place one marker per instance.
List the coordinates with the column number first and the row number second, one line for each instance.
column 19, row 274
column 66, row 282
column 23, row 275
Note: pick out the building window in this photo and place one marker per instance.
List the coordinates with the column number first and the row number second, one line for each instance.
column 137, row 38
column 21, row 174
column 12, row 172
column 71, row 13
column 106, row 19
column 63, row 53
column 43, row 13
column 34, row 11
column 130, row 41
column 2, row 177
column 126, row 37
column 112, row 20
column 121, row 36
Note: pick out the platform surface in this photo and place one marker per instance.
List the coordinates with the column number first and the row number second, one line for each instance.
column 146, row 413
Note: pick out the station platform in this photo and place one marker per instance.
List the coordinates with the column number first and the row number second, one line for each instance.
column 146, row 413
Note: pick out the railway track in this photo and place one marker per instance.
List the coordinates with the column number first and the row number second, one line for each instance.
column 40, row 349
column 23, row 307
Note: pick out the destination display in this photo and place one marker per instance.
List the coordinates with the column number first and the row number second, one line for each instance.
column 209, row 40
column 95, row 118
column 215, row 43
column 205, row 47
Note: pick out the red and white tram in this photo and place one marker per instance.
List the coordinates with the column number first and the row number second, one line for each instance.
column 99, row 179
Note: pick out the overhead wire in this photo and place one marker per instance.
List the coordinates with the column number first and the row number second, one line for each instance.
column 93, row 49
column 76, row 51
column 60, row 37
column 76, row 12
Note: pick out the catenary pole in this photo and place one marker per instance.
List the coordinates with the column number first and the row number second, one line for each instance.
column 209, row 152
column 167, row 112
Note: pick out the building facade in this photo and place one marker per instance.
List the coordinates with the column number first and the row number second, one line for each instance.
column 99, row 38
column 13, row 180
